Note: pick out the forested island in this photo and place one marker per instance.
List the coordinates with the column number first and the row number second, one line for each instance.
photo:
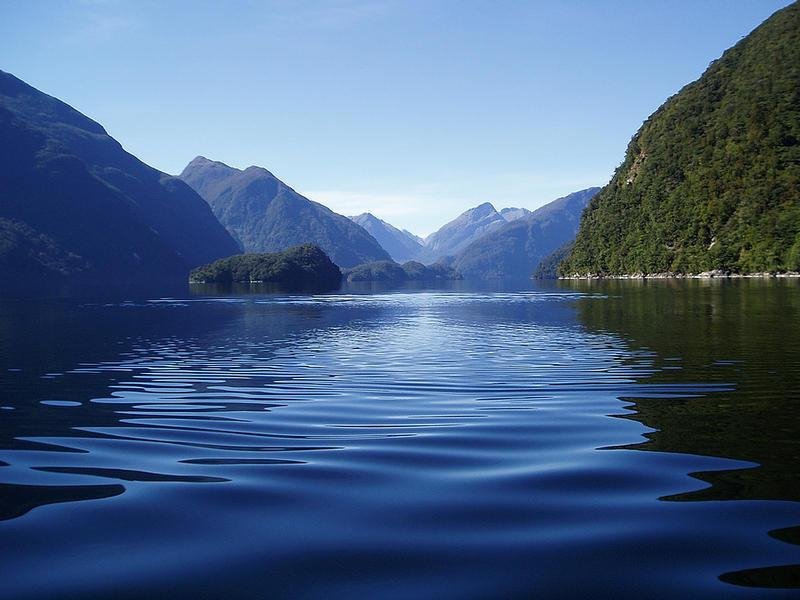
column 390, row 272
column 301, row 266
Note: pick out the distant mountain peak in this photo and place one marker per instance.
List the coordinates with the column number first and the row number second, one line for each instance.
column 266, row 215
column 487, row 208
column 461, row 231
column 515, row 248
column 260, row 170
column 366, row 215
column 401, row 245
column 201, row 162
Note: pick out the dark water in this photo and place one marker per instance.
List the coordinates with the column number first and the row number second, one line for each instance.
column 607, row 440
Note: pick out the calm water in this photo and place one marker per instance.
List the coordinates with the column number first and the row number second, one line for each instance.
column 607, row 440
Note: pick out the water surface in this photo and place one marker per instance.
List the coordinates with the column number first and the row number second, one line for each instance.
column 620, row 439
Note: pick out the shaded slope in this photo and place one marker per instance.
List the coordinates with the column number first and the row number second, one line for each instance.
column 266, row 215
column 516, row 249
column 400, row 244
column 75, row 205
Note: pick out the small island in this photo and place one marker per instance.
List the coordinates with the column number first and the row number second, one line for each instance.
column 301, row 266
column 388, row 271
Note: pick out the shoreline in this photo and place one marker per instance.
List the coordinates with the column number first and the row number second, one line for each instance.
column 704, row 275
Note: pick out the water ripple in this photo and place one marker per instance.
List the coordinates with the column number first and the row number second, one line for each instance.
column 442, row 434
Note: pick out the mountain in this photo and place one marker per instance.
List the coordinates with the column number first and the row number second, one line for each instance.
column 266, row 215
column 712, row 178
column 305, row 266
column 512, row 214
column 548, row 266
column 400, row 244
column 460, row 232
column 515, row 249
column 74, row 205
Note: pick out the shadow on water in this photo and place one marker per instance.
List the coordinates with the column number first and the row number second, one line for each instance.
column 740, row 331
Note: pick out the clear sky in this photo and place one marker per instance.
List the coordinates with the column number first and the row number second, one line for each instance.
column 413, row 110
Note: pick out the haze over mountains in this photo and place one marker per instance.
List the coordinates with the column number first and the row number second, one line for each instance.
column 266, row 215
column 401, row 245
column 712, row 178
column 447, row 241
column 456, row 235
column 74, row 204
column 514, row 249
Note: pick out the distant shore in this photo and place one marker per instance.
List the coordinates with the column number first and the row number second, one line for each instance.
column 717, row 274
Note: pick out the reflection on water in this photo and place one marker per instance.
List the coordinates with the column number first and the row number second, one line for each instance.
column 563, row 440
column 742, row 331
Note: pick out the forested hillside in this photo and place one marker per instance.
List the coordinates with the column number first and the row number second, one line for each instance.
column 712, row 179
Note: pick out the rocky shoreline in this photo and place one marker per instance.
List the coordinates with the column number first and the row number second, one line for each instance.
column 715, row 274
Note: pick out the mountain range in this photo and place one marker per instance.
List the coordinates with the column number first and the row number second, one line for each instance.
column 266, row 215
column 74, row 205
column 514, row 249
column 461, row 232
column 711, row 181
column 401, row 245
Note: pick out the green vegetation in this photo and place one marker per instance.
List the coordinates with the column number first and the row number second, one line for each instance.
column 301, row 266
column 548, row 267
column 27, row 254
column 712, row 179
column 390, row 272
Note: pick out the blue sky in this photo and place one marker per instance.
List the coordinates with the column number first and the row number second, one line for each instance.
column 414, row 110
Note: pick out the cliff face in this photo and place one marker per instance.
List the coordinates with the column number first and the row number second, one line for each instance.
column 712, row 178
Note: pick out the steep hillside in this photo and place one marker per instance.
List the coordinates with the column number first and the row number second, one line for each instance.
column 266, row 215
column 74, row 205
column 712, row 178
column 400, row 244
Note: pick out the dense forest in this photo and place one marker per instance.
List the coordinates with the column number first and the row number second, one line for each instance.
column 305, row 265
column 712, row 179
column 388, row 271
